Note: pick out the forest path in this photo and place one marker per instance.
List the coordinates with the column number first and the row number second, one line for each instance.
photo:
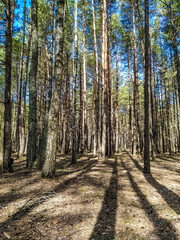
column 93, row 200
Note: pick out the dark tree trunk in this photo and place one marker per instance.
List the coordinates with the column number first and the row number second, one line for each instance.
column 31, row 148
column 7, row 161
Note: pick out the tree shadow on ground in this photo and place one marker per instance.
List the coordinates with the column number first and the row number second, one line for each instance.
column 35, row 202
column 172, row 199
column 105, row 226
column 163, row 228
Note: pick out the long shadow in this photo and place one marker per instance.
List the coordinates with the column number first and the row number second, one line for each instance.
column 163, row 228
column 105, row 226
column 172, row 199
column 60, row 188
column 13, row 196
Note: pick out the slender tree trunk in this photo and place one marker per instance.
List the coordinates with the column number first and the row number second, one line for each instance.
column 51, row 145
column 79, row 148
column 167, row 116
column 23, row 109
column 51, row 56
column 109, row 107
column 74, row 147
column 175, row 47
column 19, row 136
column 7, row 161
column 111, row 77
column 104, row 76
column 31, row 148
column 85, row 128
column 67, row 107
column 137, row 114
column 96, row 83
column 147, row 92
column 131, row 130
column 117, row 107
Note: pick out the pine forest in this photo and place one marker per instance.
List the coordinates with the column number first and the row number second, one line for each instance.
column 90, row 119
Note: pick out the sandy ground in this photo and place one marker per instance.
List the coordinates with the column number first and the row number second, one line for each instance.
column 93, row 200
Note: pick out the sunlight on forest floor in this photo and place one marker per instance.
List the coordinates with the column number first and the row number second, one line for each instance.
column 93, row 200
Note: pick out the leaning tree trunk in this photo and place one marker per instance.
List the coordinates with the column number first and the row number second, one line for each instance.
column 49, row 166
column 7, row 163
column 31, row 148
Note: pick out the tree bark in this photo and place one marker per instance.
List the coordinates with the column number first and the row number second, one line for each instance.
column 137, row 113
column 104, row 77
column 19, row 137
column 51, row 56
column 74, row 147
column 23, row 109
column 96, row 83
column 31, row 148
column 147, row 92
column 7, row 162
column 49, row 166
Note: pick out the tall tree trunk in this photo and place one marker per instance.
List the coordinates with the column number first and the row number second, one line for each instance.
column 116, row 108
column 131, row 132
column 67, row 107
column 7, row 162
column 31, row 148
column 51, row 56
column 85, row 128
column 19, row 136
column 74, row 155
column 51, row 145
column 96, row 83
column 104, row 77
column 175, row 47
column 23, row 109
column 79, row 148
column 137, row 113
column 147, row 91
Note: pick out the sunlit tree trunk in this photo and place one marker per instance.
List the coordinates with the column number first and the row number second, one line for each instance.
column 96, row 83
column 104, row 78
column 84, row 126
column 116, row 108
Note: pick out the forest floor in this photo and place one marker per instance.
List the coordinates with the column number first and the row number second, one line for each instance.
column 93, row 200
